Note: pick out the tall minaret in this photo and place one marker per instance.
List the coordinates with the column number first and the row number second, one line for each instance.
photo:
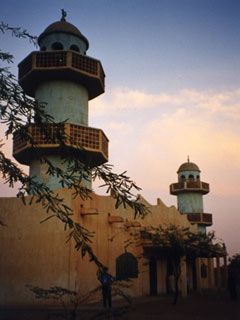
column 189, row 191
column 65, row 78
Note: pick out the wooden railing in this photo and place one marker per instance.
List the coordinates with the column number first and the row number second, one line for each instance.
column 189, row 185
column 61, row 59
column 53, row 135
column 200, row 218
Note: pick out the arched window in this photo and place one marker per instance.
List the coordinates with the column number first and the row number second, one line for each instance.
column 183, row 178
column 191, row 177
column 43, row 48
column 126, row 266
column 57, row 46
column 74, row 47
column 198, row 177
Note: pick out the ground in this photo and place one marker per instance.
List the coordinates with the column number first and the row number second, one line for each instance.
column 209, row 306
column 205, row 306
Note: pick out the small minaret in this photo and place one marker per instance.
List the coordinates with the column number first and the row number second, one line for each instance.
column 189, row 191
column 65, row 78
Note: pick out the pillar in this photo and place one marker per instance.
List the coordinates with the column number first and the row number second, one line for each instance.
column 225, row 272
column 218, row 272
column 198, row 273
column 183, row 277
column 210, row 273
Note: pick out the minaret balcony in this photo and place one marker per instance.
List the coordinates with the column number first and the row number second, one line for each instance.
column 189, row 186
column 88, row 144
column 40, row 66
column 200, row 218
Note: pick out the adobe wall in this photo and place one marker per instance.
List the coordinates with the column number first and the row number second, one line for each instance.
column 37, row 253
column 32, row 253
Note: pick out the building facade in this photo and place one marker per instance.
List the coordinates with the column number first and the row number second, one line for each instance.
column 37, row 254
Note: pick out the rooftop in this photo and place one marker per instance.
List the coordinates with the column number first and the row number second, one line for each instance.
column 63, row 26
column 188, row 166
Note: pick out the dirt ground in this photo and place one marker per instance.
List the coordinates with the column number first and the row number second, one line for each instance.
column 195, row 307
column 205, row 306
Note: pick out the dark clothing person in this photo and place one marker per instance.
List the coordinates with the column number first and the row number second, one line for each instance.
column 106, row 281
column 107, row 296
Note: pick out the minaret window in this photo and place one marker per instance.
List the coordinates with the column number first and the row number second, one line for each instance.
column 191, row 177
column 183, row 178
column 57, row 46
column 74, row 47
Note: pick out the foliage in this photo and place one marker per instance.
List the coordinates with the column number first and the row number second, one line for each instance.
column 18, row 32
column 17, row 111
column 72, row 301
column 234, row 276
column 176, row 242
column 69, row 300
column 234, row 262
column 179, row 241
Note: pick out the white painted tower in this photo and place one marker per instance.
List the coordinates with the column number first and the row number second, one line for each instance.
column 189, row 191
column 65, row 78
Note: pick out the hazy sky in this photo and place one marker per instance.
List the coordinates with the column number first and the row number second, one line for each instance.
column 172, row 89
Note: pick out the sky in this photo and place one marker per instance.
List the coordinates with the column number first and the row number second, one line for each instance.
column 172, row 90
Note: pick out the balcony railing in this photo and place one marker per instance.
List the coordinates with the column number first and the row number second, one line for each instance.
column 52, row 136
column 183, row 186
column 200, row 218
column 57, row 61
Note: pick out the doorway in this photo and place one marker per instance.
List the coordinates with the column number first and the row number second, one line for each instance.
column 153, row 276
column 194, row 275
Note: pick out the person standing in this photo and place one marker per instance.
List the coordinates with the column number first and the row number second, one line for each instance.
column 106, row 282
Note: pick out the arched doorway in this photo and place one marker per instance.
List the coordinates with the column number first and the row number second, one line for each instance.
column 126, row 266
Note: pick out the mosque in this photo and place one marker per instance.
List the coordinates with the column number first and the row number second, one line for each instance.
column 33, row 253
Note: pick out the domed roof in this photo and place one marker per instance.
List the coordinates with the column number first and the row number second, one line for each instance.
column 63, row 27
column 188, row 166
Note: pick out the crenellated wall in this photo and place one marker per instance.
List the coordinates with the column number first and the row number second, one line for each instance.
column 37, row 253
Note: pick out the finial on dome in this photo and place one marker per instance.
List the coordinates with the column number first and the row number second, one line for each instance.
column 64, row 14
column 188, row 160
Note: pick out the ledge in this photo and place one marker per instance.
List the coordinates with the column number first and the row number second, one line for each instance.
column 89, row 212
column 200, row 218
column 115, row 219
column 134, row 224
column 189, row 186
column 41, row 66
column 37, row 140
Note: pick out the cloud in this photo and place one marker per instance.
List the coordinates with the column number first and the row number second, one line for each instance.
column 214, row 103
column 152, row 134
column 165, row 128
column 186, row 132
column 202, row 124
column 120, row 126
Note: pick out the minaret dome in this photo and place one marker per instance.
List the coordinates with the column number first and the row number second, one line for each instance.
column 188, row 171
column 62, row 35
